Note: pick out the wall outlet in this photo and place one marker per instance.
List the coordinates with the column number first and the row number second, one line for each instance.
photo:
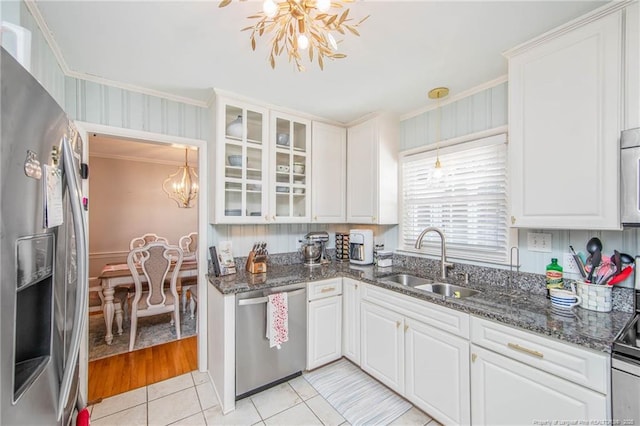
column 538, row 241
column 569, row 265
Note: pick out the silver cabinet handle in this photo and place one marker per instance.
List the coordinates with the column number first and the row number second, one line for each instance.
column 265, row 299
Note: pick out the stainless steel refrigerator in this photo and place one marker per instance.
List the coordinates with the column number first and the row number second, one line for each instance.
column 43, row 298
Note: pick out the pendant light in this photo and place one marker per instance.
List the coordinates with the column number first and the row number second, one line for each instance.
column 182, row 186
column 437, row 94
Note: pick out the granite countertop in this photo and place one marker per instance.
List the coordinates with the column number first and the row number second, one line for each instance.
column 510, row 306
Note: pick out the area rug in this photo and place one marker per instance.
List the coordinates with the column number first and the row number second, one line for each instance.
column 152, row 331
column 359, row 398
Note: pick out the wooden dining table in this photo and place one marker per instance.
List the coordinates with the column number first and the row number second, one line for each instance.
column 118, row 274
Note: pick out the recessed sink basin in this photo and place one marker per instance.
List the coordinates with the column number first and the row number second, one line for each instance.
column 447, row 290
column 408, row 280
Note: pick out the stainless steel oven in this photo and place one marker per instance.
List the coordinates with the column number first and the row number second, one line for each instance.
column 625, row 367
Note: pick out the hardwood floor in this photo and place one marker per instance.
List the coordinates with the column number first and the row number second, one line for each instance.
column 121, row 373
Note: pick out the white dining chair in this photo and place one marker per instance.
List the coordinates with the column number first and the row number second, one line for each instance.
column 156, row 262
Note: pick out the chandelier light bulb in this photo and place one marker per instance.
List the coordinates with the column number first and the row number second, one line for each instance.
column 323, row 5
column 303, row 42
column 332, row 41
column 270, row 8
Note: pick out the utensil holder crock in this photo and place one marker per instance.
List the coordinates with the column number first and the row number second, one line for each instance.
column 595, row 297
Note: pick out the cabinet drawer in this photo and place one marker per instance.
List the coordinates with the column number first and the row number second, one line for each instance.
column 429, row 313
column 581, row 366
column 325, row 288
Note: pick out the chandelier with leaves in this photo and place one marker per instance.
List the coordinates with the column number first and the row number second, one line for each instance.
column 298, row 25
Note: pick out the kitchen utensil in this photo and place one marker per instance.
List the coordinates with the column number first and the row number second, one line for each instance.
column 617, row 261
column 594, row 244
column 626, row 258
column 596, row 258
column 579, row 262
column 621, row 276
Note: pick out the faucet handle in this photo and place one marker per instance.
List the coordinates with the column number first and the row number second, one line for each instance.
column 465, row 276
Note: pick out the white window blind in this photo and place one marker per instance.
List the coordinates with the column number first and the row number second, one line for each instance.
column 468, row 201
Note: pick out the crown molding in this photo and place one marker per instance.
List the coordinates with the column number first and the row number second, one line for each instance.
column 62, row 63
column 477, row 89
column 594, row 15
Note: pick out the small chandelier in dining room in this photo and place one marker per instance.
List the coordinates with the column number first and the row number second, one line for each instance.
column 299, row 25
column 182, row 186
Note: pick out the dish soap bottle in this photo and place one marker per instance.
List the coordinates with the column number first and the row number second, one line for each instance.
column 553, row 276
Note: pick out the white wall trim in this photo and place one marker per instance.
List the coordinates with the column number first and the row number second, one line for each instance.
column 203, row 203
column 62, row 63
column 137, row 159
column 594, row 15
column 454, row 141
column 107, row 254
column 477, row 89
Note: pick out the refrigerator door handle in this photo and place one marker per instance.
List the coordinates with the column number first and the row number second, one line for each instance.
column 75, row 196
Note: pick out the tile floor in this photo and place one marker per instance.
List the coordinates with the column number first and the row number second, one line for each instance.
column 190, row 400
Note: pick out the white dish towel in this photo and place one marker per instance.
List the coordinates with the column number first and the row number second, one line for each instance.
column 277, row 319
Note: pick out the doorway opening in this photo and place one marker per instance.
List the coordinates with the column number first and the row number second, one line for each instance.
column 127, row 200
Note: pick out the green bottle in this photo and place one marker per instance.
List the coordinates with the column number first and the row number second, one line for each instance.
column 553, row 276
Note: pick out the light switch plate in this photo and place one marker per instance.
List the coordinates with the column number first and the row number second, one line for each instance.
column 539, row 241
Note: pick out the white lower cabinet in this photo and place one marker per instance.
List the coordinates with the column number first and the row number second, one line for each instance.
column 437, row 372
column 351, row 320
column 324, row 316
column 508, row 392
column 382, row 345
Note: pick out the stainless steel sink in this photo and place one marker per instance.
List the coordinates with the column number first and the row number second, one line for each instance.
column 447, row 290
column 408, row 280
column 425, row 284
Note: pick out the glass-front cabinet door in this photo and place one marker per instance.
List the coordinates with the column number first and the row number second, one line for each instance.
column 290, row 172
column 241, row 166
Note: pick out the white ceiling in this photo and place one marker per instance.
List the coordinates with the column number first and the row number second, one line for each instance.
column 406, row 48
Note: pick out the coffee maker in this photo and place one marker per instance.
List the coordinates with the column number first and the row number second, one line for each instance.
column 361, row 246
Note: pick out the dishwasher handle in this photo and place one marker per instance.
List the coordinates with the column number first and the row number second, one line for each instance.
column 265, row 299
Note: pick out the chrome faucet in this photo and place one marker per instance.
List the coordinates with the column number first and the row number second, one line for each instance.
column 444, row 265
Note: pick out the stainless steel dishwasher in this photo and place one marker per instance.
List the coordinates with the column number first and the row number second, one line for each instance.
column 257, row 365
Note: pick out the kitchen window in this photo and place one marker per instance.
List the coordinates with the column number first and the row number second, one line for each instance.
column 468, row 201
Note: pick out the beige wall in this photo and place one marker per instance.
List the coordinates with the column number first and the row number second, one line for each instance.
column 126, row 200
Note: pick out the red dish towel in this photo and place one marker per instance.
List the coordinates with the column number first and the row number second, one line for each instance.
column 277, row 319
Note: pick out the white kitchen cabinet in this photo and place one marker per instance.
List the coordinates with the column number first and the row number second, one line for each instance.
column 418, row 349
column 508, row 392
column 382, row 345
column 565, row 97
column 289, row 169
column 328, row 174
column 324, row 322
column 351, row 319
column 519, row 377
column 437, row 372
column 632, row 66
column 372, row 171
column 239, row 162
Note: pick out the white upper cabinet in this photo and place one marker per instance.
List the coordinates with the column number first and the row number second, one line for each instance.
column 289, row 169
column 328, row 174
column 565, row 97
column 372, row 171
column 240, row 163
column 632, row 66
